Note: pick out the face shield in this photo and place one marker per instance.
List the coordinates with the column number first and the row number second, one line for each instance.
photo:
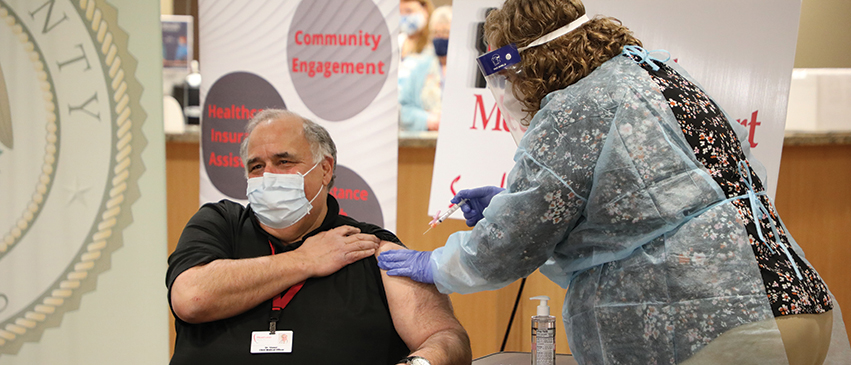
column 501, row 67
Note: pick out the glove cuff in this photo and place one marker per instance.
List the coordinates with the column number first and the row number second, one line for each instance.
column 436, row 275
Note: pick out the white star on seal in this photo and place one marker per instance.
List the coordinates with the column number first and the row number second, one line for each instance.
column 77, row 192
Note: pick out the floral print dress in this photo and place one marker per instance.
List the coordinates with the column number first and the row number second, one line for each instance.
column 626, row 190
column 792, row 285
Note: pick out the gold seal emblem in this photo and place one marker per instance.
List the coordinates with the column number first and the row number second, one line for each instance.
column 70, row 141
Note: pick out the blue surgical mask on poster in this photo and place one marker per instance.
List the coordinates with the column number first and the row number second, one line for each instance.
column 278, row 200
column 441, row 46
column 412, row 23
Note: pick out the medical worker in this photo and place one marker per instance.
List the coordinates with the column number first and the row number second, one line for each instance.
column 633, row 189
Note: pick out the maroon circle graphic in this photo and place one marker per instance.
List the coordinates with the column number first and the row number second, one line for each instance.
column 231, row 102
column 356, row 198
column 339, row 55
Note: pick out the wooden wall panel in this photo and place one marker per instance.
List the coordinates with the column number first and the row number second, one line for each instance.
column 182, row 184
column 814, row 201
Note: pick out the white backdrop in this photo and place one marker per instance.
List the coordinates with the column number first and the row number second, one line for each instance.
column 741, row 52
column 270, row 39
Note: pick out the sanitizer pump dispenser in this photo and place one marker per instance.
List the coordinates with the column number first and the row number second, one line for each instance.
column 543, row 334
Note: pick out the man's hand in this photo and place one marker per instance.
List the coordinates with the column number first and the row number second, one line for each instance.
column 329, row 251
column 225, row 288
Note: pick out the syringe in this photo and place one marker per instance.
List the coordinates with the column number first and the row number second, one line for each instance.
column 439, row 218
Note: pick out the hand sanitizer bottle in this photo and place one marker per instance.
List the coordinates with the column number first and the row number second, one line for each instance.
column 543, row 334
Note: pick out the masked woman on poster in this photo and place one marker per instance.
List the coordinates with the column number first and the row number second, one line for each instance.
column 631, row 188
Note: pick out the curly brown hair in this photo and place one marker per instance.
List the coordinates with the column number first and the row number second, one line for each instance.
column 564, row 60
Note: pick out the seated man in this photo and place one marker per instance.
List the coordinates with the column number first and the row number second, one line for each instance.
column 291, row 262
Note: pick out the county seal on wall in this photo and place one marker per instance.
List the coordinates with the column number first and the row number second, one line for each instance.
column 70, row 143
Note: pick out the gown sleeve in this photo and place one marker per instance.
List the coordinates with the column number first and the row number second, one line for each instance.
column 544, row 198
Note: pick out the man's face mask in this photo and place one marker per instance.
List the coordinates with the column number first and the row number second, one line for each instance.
column 278, row 200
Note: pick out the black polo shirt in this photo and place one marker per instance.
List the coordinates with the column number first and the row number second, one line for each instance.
column 342, row 318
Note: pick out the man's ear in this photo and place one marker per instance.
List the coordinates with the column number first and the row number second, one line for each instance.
column 327, row 170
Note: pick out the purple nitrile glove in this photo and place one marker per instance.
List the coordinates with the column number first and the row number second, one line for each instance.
column 477, row 200
column 411, row 263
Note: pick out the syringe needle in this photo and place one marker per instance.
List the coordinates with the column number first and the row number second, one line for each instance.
column 439, row 218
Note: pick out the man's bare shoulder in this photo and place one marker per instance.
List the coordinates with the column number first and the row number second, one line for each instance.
column 387, row 246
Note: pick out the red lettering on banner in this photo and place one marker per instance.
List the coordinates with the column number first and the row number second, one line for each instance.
column 452, row 185
column 349, row 194
column 361, row 39
column 458, row 178
column 752, row 124
column 328, row 69
column 228, row 160
column 231, row 112
column 479, row 110
column 226, row 137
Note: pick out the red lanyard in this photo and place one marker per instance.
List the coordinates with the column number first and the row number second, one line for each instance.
column 280, row 301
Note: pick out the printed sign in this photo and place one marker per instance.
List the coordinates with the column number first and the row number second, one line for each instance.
column 331, row 61
column 746, row 67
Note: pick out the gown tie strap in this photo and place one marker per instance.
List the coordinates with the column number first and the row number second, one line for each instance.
column 760, row 211
column 645, row 55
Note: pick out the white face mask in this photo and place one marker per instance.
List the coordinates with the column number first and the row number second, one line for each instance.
column 278, row 200
column 412, row 23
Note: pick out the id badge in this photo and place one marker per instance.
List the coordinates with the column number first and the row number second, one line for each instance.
column 264, row 342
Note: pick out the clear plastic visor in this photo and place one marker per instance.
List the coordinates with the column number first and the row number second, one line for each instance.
column 500, row 67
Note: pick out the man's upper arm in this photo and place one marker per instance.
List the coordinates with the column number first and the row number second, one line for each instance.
column 418, row 310
column 201, row 242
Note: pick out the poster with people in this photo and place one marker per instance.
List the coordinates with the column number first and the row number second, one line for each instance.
column 331, row 61
column 743, row 58
column 177, row 41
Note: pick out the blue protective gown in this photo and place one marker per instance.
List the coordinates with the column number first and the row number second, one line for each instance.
column 607, row 198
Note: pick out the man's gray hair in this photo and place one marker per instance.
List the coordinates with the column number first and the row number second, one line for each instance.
column 320, row 141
